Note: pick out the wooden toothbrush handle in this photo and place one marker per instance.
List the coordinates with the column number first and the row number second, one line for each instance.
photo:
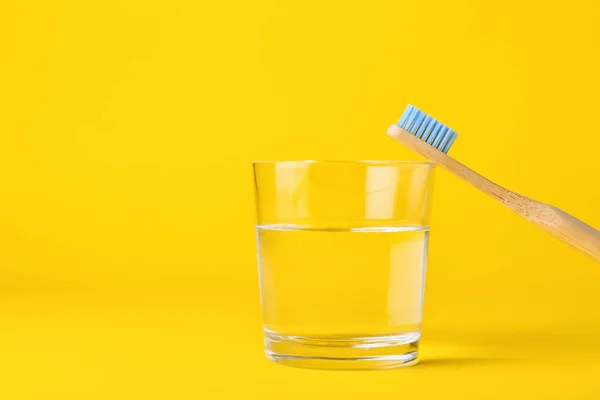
column 558, row 223
column 573, row 231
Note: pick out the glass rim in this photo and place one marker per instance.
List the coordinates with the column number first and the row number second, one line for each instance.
column 354, row 162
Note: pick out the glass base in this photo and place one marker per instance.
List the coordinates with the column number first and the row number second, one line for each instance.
column 367, row 352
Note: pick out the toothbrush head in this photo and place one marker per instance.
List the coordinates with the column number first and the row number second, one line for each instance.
column 426, row 128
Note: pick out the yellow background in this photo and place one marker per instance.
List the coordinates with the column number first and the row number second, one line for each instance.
column 127, row 260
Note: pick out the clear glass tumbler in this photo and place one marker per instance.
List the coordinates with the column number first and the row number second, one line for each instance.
column 342, row 251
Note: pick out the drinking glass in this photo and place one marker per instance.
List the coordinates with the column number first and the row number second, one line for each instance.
column 342, row 252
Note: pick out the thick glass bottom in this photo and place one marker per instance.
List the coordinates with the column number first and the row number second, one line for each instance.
column 338, row 352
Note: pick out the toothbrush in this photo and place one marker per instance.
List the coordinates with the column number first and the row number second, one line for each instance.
column 432, row 139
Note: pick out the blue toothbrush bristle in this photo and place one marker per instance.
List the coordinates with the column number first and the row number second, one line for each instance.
column 427, row 128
